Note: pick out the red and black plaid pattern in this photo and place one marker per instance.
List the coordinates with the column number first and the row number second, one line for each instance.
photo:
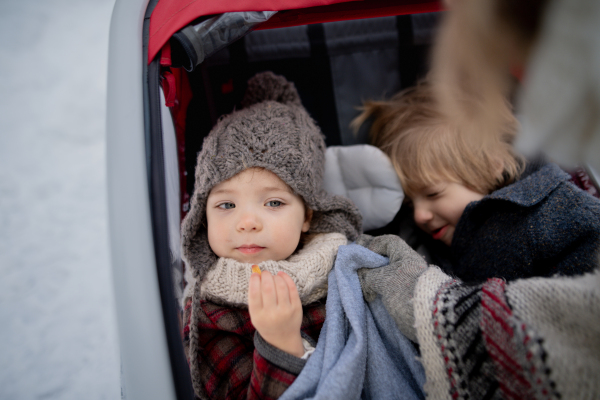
column 230, row 368
column 268, row 381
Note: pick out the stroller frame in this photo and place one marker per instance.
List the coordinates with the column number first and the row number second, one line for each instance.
column 153, row 363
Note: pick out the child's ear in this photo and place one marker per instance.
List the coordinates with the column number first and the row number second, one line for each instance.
column 308, row 218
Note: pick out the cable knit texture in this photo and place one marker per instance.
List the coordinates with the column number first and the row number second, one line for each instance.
column 228, row 281
column 274, row 132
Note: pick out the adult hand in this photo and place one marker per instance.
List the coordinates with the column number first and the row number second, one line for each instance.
column 276, row 311
column 395, row 282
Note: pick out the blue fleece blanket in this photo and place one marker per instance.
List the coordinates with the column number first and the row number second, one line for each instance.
column 360, row 354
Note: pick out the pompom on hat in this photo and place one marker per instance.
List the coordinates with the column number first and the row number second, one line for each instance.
column 273, row 131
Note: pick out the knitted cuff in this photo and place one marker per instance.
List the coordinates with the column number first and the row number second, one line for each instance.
column 395, row 282
column 280, row 358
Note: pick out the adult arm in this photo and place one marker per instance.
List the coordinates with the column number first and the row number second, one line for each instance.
column 531, row 338
column 395, row 282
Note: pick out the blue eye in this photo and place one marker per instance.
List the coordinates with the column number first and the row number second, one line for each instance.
column 274, row 203
column 226, row 206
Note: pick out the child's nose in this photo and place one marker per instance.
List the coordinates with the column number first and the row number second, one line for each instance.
column 422, row 215
column 249, row 222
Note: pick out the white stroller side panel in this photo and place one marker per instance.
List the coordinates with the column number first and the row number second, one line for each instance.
column 365, row 175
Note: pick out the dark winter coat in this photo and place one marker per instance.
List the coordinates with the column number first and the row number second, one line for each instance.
column 540, row 225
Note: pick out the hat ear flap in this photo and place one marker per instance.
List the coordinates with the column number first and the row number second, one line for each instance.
column 267, row 86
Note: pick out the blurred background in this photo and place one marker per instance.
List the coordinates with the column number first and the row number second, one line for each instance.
column 58, row 335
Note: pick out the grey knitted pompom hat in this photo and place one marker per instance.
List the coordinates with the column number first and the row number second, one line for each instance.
column 272, row 131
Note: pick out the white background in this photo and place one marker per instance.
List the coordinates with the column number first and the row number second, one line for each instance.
column 58, row 336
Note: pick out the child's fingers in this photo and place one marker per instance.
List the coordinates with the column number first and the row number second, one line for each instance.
column 292, row 289
column 254, row 292
column 269, row 294
column 283, row 295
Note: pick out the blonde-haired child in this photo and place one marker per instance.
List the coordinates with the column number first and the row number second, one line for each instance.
column 472, row 192
column 529, row 338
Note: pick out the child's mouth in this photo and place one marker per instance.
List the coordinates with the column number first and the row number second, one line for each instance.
column 250, row 249
column 438, row 233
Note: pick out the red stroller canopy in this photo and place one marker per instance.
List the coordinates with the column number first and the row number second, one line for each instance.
column 169, row 16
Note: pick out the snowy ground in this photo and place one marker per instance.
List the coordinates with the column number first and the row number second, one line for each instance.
column 58, row 337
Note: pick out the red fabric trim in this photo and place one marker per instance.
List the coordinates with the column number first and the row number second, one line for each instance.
column 178, row 95
column 165, row 55
column 168, row 85
column 348, row 11
column 179, row 113
column 169, row 16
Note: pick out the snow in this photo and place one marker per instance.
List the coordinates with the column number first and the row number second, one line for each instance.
column 58, row 334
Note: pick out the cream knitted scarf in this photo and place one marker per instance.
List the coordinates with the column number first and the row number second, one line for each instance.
column 227, row 282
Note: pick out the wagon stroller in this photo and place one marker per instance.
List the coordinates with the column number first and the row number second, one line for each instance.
column 171, row 75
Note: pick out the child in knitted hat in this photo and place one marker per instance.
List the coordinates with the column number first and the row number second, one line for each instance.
column 258, row 202
column 472, row 193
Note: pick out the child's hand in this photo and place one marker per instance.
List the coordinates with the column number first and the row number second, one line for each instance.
column 276, row 311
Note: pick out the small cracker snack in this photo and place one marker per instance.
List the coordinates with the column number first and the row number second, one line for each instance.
column 256, row 269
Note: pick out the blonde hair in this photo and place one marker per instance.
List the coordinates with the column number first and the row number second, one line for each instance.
column 426, row 147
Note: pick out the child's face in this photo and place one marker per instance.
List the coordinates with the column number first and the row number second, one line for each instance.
column 254, row 217
column 438, row 208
